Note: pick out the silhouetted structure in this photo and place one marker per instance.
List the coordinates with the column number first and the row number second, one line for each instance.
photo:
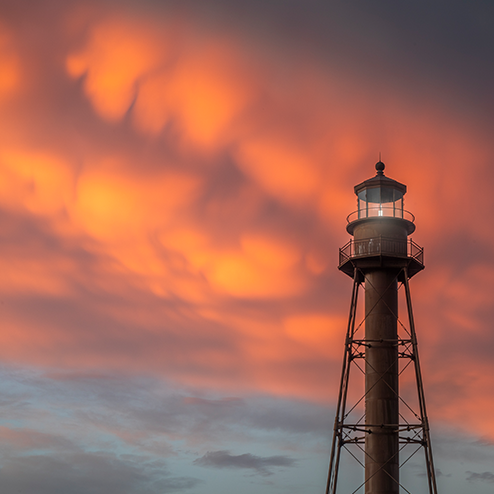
column 381, row 259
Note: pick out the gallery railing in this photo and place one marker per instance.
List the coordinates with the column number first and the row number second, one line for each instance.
column 381, row 246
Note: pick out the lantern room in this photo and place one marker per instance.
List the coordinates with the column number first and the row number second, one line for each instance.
column 380, row 197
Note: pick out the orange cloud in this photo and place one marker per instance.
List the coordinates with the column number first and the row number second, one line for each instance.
column 41, row 181
column 119, row 53
column 113, row 205
column 10, row 75
column 194, row 216
column 322, row 332
column 129, row 64
column 203, row 92
column 281, row 168
column 265, row 267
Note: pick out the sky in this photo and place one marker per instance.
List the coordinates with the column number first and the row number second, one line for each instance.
column 175, row 178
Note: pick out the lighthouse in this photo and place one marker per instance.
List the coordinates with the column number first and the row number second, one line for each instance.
column 380, row 258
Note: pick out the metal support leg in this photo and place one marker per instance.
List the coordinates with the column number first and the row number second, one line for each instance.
column 342, row 395
column 431, row 476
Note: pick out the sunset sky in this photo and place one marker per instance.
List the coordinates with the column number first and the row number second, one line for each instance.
column 175, row 178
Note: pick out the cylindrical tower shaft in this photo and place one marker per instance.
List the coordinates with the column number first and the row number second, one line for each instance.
column 381, row 382
column 375, row 235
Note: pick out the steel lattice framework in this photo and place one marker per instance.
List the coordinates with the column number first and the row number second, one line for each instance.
column 413, row 427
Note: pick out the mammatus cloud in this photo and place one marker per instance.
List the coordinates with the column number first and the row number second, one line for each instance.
column 173, row 195
column 262, row 465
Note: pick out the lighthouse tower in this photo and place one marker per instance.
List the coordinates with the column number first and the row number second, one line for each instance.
column 381, row 258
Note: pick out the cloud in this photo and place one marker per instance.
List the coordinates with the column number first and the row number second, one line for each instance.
column 26, row 439
column 173, row 192
column 174, row 183
column 438, row 472
column 145, row 413
column 487, row 477
column 88, row 472
column 262, row 465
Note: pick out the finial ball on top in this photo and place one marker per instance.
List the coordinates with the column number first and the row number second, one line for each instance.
column 380, row 166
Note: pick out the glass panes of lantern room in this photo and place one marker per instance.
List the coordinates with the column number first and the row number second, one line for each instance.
column 380, row 201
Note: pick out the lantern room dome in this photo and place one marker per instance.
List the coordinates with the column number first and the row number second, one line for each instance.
column 384, row 187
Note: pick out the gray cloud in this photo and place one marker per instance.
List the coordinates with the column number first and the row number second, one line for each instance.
column 98, row 473
column 146, row 415
column 379, row 39
column 438, row 472
column 487, row 477
column 261, row 464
